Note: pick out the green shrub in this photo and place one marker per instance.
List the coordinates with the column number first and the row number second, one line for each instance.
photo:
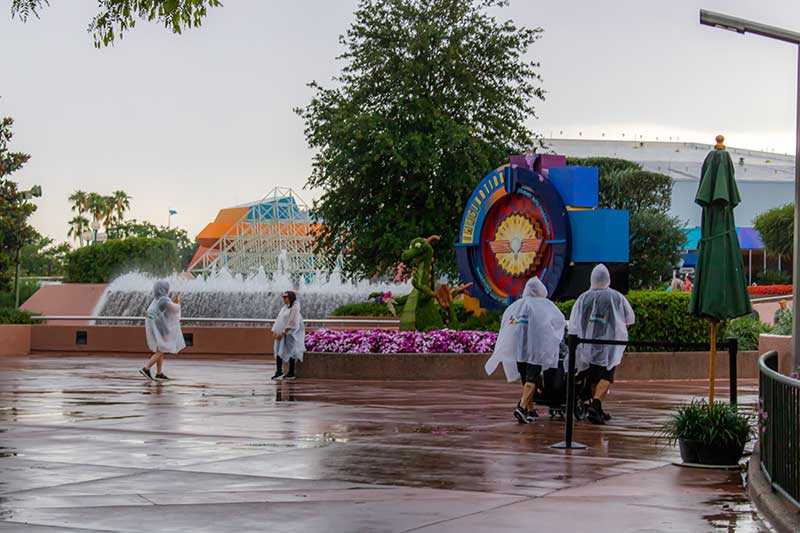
column 101, row 262
column 488, row 321
column 26, row 289
column 747, row 329
column 11, row 315
column 661, row 316
column 363, row 309
column 773, row 277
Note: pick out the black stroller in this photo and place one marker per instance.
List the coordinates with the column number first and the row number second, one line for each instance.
column 551, row 389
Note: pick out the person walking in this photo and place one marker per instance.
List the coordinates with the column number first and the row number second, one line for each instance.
column 290, row 336
column 162, row 327
column 528, row 343
column 601, row 313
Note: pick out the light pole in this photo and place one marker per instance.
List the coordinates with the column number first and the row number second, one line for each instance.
column 738, row 25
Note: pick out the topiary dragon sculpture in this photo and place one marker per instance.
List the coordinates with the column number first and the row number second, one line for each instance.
column 422, row 307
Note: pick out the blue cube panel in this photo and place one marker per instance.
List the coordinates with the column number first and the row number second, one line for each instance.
column 576, row 185
column 600, row 235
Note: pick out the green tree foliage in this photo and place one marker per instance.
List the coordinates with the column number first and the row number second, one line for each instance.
column 133, row 228
column 115, row 17
column 101, row 262
column 655, row 236
column 40, row 256
column 776, row 227
column 14, row 208
column 433, row 95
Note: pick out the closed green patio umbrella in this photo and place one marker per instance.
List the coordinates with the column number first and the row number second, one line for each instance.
column 720, row 288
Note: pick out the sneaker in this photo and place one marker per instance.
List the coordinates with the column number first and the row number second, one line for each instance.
column 277, row 377
column 606, row 416
column 146, row 373
column 290, row 376
column 533, row 414
column 595, row 413
column 162, row 377
column 521, row 414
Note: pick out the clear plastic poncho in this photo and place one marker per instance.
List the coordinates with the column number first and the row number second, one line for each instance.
column 293, row 344
column 530, row 332
column 162, row 324
column 600, row 313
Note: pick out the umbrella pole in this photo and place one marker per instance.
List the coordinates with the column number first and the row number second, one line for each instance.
column 712, row 363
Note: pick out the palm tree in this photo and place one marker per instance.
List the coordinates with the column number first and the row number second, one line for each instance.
column 107, row 215
column 97, row 206
column 121, row 204
column 80, row 202
column 77, row 226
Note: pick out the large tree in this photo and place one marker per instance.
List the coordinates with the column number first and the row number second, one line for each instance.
column 432, row 96
column 115, row 17
column 655, row 236
column 14, row 207
column 776, row 227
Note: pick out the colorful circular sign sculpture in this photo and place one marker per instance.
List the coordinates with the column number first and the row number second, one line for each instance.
column 515, row 226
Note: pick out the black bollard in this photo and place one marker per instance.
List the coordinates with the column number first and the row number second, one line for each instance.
column 568, row 444
column 733, row 349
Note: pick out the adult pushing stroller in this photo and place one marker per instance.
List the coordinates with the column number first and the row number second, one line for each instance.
column 551, row 389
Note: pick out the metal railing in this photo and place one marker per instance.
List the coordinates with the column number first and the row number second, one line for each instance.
column 779, row 427
column 265, row 321
column 731, row 345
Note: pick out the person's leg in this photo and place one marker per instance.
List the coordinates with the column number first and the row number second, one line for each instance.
column 531, row 382
column 291, row 366
column 278, row 367
column 153, row 359
column 520, row 412
column 159, row 364
column 601, row 389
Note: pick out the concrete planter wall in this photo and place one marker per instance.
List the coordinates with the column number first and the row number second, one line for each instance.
column 411, row 366
column 15, row 339
column 781, row 344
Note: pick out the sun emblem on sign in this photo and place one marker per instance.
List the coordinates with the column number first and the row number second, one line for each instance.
column 516, row 244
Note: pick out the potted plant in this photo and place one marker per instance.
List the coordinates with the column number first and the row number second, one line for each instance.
column 709, row 434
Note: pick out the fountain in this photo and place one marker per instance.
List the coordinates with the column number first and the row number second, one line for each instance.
column 226, row 295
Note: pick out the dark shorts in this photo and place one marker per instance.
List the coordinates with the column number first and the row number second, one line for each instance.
column 596, row 373
column 528, row 372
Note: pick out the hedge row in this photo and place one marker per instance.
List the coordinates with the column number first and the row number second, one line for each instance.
column 101, row 262
column 661, row 317
column 770, row 290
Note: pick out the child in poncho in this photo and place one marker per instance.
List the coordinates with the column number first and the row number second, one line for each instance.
column 290, row 336
column 162, row 326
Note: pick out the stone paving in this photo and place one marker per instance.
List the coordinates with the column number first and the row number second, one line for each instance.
column 88, row 445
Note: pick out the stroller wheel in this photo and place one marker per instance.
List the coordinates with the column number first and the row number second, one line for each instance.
column 580, row 410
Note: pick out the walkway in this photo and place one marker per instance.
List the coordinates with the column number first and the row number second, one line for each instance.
column 88, row 445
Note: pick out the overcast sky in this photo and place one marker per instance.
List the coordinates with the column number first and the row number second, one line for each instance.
column 204, row 120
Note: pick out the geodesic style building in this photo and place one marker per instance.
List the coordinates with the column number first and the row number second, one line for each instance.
column 275, row 234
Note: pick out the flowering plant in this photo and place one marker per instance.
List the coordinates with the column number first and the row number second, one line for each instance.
column 388, row 341
column 385, row 298
column 770, row 290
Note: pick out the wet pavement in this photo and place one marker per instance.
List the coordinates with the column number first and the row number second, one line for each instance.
column 88, row 445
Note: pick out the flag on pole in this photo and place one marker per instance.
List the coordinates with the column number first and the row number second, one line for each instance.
column 173, row 212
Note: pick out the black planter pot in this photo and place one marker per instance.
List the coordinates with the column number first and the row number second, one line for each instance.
column 689, row 450
column 698, row 453
column 726, row 455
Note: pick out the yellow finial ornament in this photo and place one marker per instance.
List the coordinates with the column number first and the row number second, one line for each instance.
column 719, row 145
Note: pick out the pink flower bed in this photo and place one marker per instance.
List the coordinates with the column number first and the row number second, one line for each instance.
column 384, row 341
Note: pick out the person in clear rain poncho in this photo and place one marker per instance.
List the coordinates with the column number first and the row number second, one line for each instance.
column 528, row 342
column 605, row 314
column 162, row 327
column 290, row 336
